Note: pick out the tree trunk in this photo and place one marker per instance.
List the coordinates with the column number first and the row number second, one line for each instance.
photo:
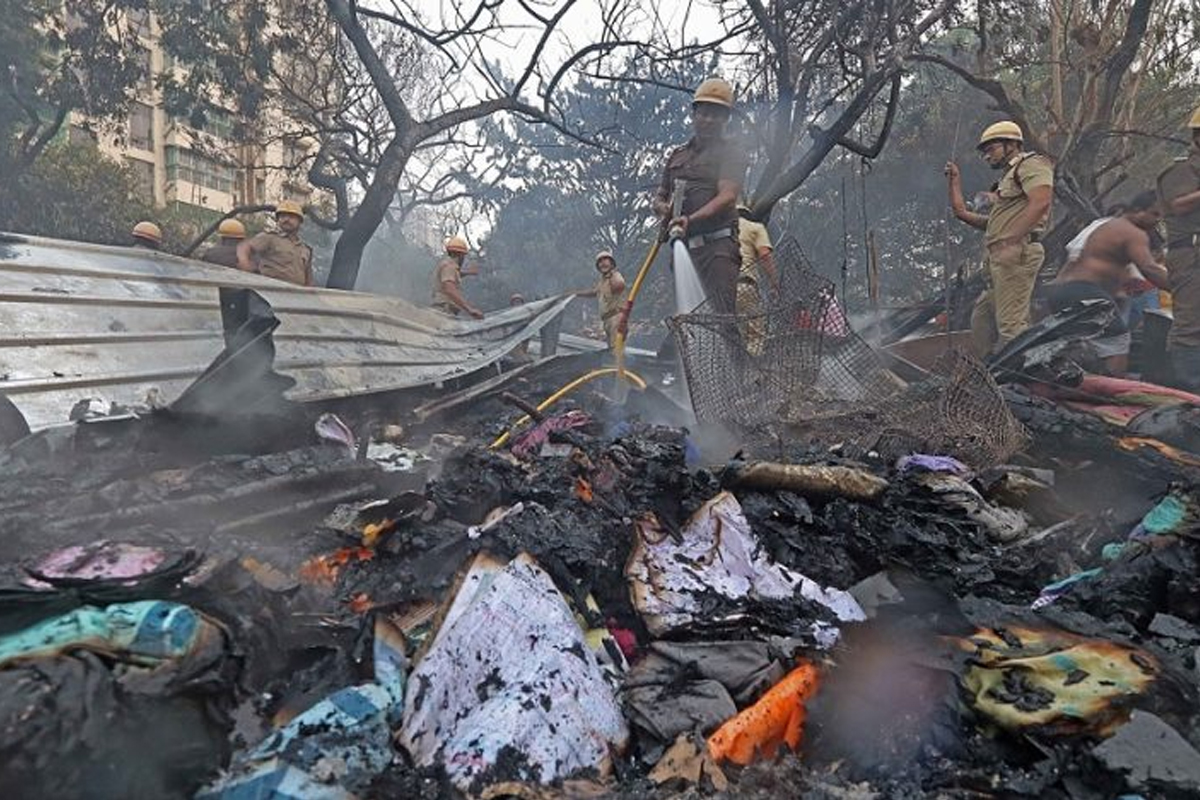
column 362, row 224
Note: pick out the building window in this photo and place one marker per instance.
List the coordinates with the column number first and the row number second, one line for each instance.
column 143, row 177
column 146, row 79
column 210, row 120
column 79, row 136
column 186, row 165
column 141, row 126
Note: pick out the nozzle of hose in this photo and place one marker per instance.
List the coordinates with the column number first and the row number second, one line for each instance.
column 676, row 232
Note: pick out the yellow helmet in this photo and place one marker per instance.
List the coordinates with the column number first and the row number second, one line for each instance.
column 148, row 231
column 1194, row 122
column 716, row 91
column 231, row 229
column 289, row 207
column 605, row 254
column 457, row 244
column 1003, row 131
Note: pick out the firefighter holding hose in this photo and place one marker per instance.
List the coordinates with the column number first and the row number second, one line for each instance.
column 710, row 169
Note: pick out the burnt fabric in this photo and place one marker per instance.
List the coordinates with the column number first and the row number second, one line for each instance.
column 680, row 687
column 1055, row 682
column 79, row 725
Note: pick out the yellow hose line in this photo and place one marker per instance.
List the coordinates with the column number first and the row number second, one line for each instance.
column 623, row 324
column 618, row 350
column 570, row 387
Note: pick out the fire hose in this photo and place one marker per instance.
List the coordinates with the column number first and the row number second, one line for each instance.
column 621, row 373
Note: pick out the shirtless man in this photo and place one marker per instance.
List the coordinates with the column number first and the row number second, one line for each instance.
column 1101, row 261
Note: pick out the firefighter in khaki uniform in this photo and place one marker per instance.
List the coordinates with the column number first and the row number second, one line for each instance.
column 224, row 252
column 147, row 236
column 712, row 168
column 1013, row 229
column 447, row 295
column 1179, row 191
column 757, row 260
column 279, row 254
column 608, row 291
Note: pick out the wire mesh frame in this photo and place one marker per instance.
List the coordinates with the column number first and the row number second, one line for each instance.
column 791, row 353
column 959, row 411
column 795, row 359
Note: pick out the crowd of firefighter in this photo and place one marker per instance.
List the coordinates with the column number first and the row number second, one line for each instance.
column 1118, row 259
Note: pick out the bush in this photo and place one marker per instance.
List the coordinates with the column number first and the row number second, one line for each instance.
column 74, row 192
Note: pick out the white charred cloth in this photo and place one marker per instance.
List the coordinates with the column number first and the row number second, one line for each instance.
column 717, row 552
column 509, row 677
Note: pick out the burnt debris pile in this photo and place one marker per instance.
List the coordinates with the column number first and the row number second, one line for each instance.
column 604, row 606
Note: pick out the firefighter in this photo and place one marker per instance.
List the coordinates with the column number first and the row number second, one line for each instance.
column 712, row 168
column 757, row 263
column 280, row 253
column 224, row 252
column 1179, row 192
column 608, row 291
column 447, row 281
column 147, row 236
column 1013, row 228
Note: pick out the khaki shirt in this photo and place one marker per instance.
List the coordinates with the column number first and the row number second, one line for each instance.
column 702, row 168
column 285, row 258
column 1182, row 177
column 446, row 270
column 608, row 301
column 1026, row 171
column 752, row 237
column 223, row 254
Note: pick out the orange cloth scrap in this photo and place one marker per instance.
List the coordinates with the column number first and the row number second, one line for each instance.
column 776, row 719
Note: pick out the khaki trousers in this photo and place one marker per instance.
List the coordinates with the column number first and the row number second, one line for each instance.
column 1002, row 310
column 749, row 311
column 610, row 329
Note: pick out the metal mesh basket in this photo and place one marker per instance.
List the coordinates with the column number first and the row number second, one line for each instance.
column 795, row 363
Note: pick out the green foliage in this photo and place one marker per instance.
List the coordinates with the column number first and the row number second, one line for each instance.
column 73, row 192
column 90, row 57
column 574, row 200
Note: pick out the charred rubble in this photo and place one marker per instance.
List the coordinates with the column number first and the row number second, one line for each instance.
column 954, row 589
column 302, row 566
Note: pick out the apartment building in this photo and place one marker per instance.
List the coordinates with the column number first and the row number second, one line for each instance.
column 211, row 166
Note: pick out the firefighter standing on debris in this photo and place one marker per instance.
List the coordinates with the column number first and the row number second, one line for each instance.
column 757, row 254
column 712, row 168
column 447, row 281
column 1013, row 229
column 1179, row 191
column 280, row 254
column 147, row 236
column 225, row 251
column 608, row 291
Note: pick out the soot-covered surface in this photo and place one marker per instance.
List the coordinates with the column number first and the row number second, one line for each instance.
column 297, row 588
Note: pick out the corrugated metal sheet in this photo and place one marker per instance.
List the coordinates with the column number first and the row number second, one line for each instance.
column 81, row 320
